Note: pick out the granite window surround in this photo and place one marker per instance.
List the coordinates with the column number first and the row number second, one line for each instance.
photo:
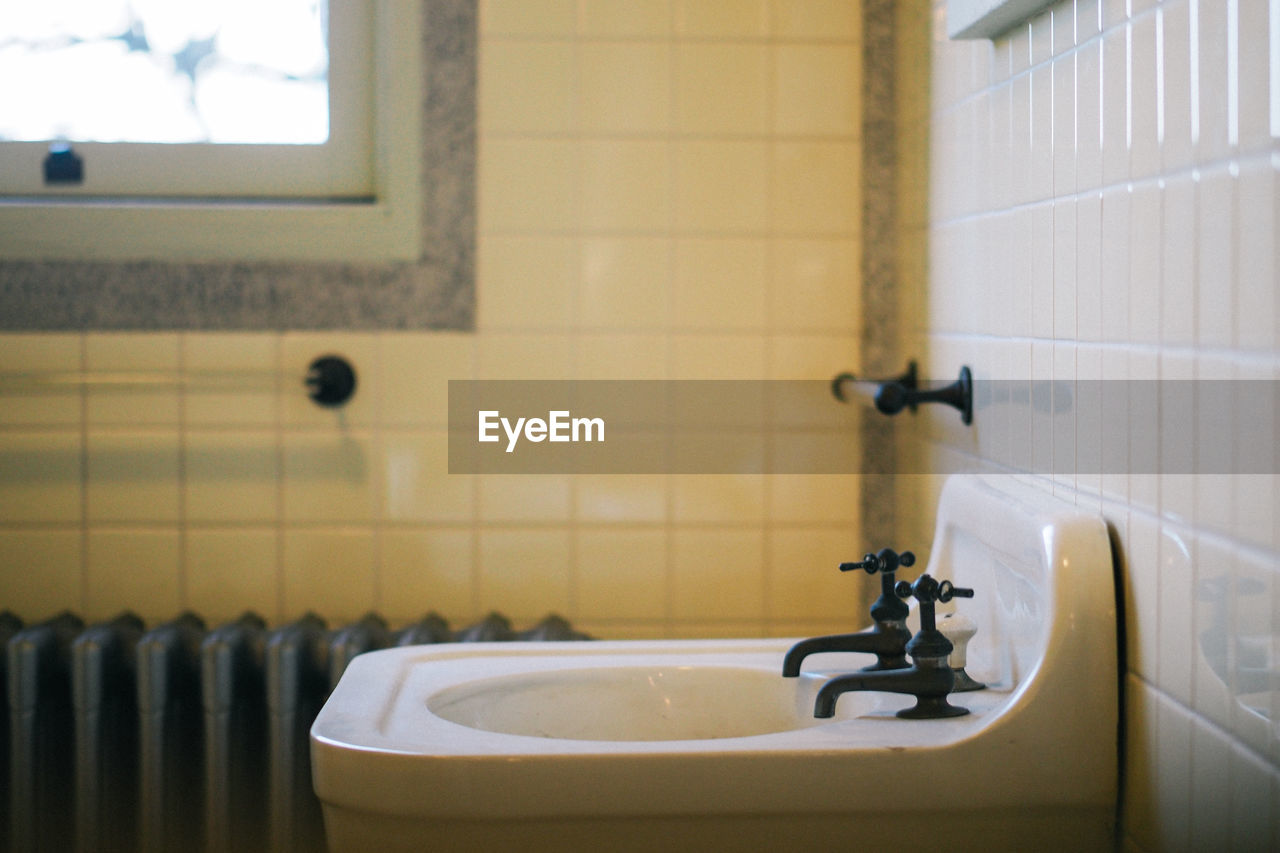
column 435, row 292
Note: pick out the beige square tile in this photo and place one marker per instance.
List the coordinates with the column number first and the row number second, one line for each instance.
column 624, row 18
column 528, row 17
column 717, row 573
column 815, row 285
column 230, row 571
column 719, row 356
column 330, row 477
column 623, row 629
column 526, row 283
column 133, row 378
column 818, row 90
column 231, row 476
column 817, row 188
column 524, row 573
column 133, row 570
column 331, row 572
column 722, row 19
column 298, row 351
column 626, row 185
column 720, row 284
column 722, row 88
column 43, row 572
column 40, row 379
column 416, row 369
column 41, row 476
column 523, row 356
column 703, row 498
column 627, row 498
column 524, row 497
column 426, row 570
column 526, row 86
column 813, row 498
column 717, row 630
column 621, row 574
column 813, row 357
column 527, row 185
column 625, row 283
column 805, row 582
column 820, row 19
column 621, row 355
column 624, row 87
column 232, row 378
column 416, row 482
column 722, row 186
column 133, row 476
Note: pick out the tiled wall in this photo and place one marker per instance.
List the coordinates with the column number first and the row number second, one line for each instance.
column 666, row 189
column 1104, row 205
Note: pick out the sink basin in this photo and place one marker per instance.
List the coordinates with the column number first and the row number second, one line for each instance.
column 654, row 702
column 702, row 745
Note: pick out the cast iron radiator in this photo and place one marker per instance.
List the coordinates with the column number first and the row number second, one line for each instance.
column 181, row 737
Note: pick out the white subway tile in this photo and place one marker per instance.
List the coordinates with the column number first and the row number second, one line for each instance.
column 1115, row 106
column 1210, row 33
column 1144, row 263
column 1177, row 144
column 1257, row 73
column 1089, row 99
column 1065, row 108
column 1144, row 101
column 1065, row 272
column 1172, row 776
column 1178, row 262
column 1256, row 246
column 1216, row 249
column 1088, row 308
column 1175, row 591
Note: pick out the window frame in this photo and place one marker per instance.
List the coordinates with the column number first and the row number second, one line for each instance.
column 374, row 215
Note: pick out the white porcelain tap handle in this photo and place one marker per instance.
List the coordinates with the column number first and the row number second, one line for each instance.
column 959, row 629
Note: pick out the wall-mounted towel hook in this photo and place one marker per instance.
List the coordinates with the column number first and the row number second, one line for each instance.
column 894, row 395
column 845, row 382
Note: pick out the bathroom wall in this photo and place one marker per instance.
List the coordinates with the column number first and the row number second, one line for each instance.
column 667, row 188
column 1103, row 206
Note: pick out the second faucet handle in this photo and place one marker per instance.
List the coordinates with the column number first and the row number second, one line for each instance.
column 888, row 560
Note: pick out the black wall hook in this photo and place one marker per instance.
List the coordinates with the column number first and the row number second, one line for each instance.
column 893, row 395
column 331, row 380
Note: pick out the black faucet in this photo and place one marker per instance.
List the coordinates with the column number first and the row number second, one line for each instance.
column 929, row 678
column 887, row 639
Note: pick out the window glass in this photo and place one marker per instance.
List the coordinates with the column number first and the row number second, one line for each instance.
column 168, row 71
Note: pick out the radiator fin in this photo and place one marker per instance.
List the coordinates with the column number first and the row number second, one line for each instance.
column 181, row 737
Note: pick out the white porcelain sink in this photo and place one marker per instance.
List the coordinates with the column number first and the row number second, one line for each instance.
column 664, row 699
column 683, row 745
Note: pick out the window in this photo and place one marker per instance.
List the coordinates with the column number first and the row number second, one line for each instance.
column 253, row 129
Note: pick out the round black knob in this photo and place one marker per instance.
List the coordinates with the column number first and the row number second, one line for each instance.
column 331, row 380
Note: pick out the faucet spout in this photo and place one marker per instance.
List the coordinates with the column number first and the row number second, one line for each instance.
column 887, row 641
column 929, row 681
